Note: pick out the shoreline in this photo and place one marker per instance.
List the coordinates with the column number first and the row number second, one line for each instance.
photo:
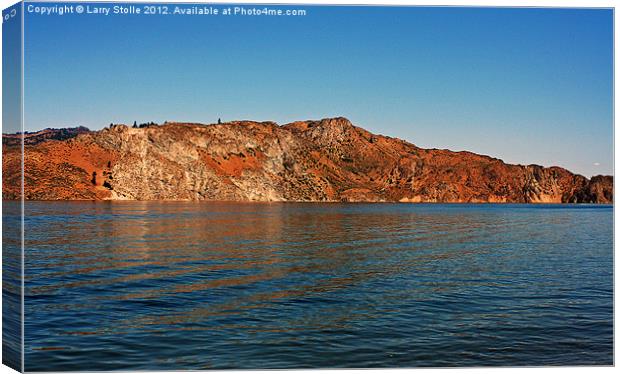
column 310, row 202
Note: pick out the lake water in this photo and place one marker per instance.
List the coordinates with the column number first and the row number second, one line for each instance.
column 185, row 285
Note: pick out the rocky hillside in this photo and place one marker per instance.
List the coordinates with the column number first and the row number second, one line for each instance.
column 326, row 160
column 31, row 138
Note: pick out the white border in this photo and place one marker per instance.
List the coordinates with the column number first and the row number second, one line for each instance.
column 489, row 3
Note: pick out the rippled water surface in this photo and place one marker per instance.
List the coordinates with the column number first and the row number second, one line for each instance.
column 183, row 285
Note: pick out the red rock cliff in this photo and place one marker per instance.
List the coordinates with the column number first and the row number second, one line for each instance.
column 326, row 160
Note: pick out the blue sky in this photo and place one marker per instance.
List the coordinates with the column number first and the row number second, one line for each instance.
column 11, row 70
column 523, row 85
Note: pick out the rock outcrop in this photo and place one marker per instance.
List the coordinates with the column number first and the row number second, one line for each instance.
column 326, row 160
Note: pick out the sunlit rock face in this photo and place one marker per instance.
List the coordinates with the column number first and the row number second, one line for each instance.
column 325, row 160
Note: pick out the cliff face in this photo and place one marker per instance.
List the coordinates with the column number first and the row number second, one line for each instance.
column 326, row 160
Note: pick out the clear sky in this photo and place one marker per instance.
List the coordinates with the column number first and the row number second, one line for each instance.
column 523, row 85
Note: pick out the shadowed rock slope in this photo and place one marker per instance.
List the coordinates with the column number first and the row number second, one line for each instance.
column 326, row 160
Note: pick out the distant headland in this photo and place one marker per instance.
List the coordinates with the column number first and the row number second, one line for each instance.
column 325, row 160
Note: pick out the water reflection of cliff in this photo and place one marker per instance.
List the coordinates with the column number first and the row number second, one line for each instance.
column 277, row 275
column 282, row 254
